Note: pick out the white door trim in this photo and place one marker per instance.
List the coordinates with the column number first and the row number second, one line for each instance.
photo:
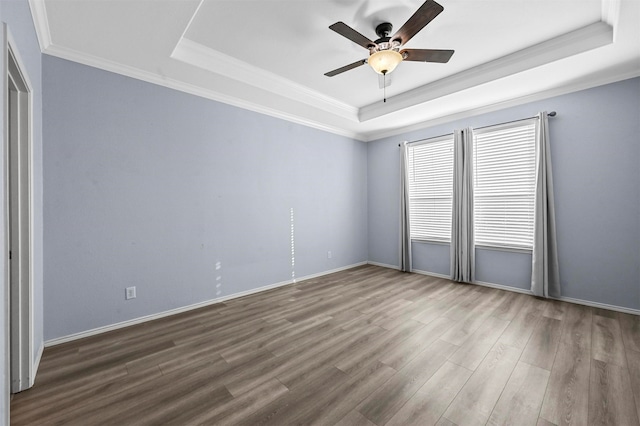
column 5, row 260
column 21, row 319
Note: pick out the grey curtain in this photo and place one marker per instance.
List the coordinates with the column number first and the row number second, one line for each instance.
column 545, row 277
column 405, row 236
column 462, row 245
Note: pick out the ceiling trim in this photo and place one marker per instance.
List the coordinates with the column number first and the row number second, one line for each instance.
column 538, row 96
column 103, row 64
column 193, row 53
column 201, row 56
column 610, row 13
column 188, row 51
column 581, row 40
column 41, row 23
column 43, row 33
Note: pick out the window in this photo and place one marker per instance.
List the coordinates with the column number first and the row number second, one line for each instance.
column 504, row 184
column 430, row 174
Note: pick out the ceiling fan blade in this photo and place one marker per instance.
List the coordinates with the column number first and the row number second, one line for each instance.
column 425, row 14
column 348, row 32
column 346, row 68
column 427, row 55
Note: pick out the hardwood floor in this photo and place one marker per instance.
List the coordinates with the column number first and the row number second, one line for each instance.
column 366, row 346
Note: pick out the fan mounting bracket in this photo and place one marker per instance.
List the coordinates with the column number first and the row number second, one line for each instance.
column 384, row 30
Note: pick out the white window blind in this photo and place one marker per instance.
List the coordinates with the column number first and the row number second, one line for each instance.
column 430, row 169
column 504, row 184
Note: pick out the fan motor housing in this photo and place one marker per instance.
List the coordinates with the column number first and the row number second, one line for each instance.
column 384, row 42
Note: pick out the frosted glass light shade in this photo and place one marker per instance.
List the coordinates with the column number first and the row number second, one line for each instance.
column 385, row 61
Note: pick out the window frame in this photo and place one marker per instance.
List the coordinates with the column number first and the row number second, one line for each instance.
column 506, row 246
column 414, row 145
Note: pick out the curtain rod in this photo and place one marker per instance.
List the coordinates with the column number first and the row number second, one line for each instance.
column 430, row 137
column 551, row 114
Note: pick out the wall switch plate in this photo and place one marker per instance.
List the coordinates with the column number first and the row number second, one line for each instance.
column 130, row 293
column 329, row 255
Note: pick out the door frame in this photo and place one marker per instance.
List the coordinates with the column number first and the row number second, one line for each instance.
column 21, row 321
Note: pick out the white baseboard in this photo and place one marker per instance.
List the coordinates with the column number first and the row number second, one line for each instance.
column 525, row 291
column 598, row 305
column 332, row 271
column 104, row 329
column 383, row 265
column 565, row 299
column 36, row 365
column 139, row 320
column 431, row 274
column 504, row 287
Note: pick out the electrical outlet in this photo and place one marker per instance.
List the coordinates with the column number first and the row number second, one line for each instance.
column 329, row 254
column 130, row 293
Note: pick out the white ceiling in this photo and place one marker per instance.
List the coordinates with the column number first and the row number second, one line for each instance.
column 271, row 55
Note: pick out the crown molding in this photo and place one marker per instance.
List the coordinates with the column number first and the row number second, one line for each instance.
column 538, row 96
column 125, row 70
column 201, row 56
column 188, row 51
column 581, row 40
column 610, row 13
column 41, row 23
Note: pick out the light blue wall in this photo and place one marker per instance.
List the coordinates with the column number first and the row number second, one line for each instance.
column 17, row 15
column 185, row 198
column 595, row 145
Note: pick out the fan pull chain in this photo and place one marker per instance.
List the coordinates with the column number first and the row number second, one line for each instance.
column 384, row 87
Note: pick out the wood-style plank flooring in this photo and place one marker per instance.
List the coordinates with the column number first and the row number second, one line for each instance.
column 366, row 346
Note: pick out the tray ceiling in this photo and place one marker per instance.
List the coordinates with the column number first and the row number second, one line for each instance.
column 270, row 56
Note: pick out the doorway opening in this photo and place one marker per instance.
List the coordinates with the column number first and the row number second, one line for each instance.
column 18, row 223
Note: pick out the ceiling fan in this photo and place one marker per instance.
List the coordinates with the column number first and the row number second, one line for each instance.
column 385, row 53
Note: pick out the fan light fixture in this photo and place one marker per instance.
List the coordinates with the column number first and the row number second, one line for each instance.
column 388, row 51
column 385, row 61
